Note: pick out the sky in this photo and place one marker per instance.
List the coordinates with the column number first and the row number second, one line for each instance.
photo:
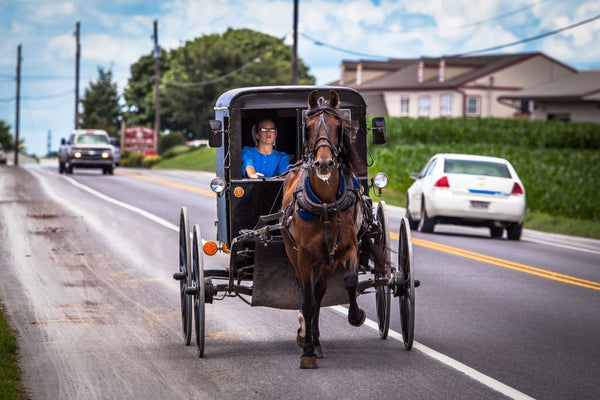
column 114, row 34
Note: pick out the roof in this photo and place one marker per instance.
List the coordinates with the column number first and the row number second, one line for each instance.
column 584, row 86
column 404, row 75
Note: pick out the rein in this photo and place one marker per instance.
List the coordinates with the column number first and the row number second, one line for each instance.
column 328, row 142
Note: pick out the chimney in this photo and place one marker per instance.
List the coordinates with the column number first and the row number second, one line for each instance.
column 359, row 74
column 342, row 72
column 442, row 71
column 420, row 72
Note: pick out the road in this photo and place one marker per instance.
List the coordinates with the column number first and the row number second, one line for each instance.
column 87, row 261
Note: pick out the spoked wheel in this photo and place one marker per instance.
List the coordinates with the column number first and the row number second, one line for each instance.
column 185, row 275
column 383, row 294
column 405, row 284
column 198, row 283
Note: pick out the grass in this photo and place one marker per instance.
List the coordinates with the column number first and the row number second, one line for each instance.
column 10, row 380
column 197, row 159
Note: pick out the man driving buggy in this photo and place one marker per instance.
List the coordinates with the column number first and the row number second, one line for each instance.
column 264, row 160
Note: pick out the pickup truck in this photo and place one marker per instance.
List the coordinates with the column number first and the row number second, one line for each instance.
column 86, row 148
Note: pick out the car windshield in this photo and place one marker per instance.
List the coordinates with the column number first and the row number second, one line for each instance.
column 471, row 167
column 91, row 139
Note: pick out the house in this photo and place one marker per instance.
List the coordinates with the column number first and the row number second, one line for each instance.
column 574, row 97
column 451, row 86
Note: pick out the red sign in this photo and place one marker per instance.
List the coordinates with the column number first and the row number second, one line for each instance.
column 138, row 138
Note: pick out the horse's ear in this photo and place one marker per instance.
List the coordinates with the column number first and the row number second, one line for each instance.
column 334, row 99
column 313, row 99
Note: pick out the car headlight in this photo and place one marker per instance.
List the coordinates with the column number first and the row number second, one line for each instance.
column 380, row 180
column 217, row 185
column 77, row 154
column 105, row 154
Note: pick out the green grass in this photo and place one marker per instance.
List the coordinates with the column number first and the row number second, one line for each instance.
column 10, row 381
column 200, row 159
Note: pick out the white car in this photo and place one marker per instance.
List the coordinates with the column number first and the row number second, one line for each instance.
column 463, row 189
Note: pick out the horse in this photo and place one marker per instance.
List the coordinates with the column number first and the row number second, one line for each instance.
column 323, row 210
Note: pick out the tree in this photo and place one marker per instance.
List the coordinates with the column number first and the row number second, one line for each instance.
column 101, row 104
column 199, row 71
column 6, row 139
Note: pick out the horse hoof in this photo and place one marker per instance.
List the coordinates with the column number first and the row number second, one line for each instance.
column 319, row 351
column 362, row 316
column 308, row 362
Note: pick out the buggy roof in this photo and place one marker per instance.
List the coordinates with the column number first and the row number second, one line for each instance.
column 261, row 97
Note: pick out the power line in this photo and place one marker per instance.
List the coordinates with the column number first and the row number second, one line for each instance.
column 540, row 36
column 46, row 97
column 214, row 80
column 531, row 38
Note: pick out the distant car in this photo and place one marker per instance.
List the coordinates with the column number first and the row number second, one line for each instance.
column 463, row 189
column 2, row 155
column 86, row 148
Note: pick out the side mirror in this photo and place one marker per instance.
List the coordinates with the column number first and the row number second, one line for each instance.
column 378, row 130
column 414, row 175
column 63, row 141
column 215, row 130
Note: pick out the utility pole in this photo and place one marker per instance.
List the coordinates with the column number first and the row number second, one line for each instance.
column 295, row 46
column 156, row 86
column 18, row 101
column 77, row 56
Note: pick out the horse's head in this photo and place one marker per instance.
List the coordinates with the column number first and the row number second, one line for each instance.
column 324, row 133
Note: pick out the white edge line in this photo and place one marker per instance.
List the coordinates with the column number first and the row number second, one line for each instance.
column 470, row 372
column 450, row 362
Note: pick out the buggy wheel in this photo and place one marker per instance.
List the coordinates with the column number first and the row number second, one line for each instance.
column 383, row 294
column 198, row 283
column 185, row 276
column 405, row 284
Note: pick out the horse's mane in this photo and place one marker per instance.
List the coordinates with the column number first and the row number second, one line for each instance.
column 349, row 156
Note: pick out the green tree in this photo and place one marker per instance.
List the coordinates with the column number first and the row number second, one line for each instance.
column 101, row 104
column 6, row 139
column 202, row 69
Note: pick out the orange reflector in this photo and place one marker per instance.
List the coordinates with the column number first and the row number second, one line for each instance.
column 238, row 192
column 210, row 248
column 225, row 249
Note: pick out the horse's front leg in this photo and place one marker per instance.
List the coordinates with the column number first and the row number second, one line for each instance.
column 309, row 306
column 320, row 289
column 356, row 316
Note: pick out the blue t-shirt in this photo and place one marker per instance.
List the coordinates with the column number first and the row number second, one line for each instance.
column 269, row 165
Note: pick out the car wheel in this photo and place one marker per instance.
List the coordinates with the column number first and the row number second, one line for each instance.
column 426, row 224
column 411, row 222
column 496, row 232
column 513, row 232
column 109, row 170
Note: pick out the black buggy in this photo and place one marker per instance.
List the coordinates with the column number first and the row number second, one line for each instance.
column 249, row 221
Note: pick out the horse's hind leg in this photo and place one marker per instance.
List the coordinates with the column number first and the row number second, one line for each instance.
column 356, row 316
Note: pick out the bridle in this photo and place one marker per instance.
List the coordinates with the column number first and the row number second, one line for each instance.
column 324, row 140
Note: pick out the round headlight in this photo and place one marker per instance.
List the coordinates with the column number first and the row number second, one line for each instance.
column 217, row 185
column 380, row 180
column 77, row 154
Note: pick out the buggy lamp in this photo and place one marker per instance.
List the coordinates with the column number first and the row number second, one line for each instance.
column 217, row 185
column 380, row 180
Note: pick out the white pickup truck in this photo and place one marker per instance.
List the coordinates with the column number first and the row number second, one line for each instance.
column 86, row 148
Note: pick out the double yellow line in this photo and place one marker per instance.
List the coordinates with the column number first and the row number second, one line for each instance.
column 168, row 183
column 503, row 263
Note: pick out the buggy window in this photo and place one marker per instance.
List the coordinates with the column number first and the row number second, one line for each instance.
column 470, row 167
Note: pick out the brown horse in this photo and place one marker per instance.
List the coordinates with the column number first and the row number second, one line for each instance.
column 322, row 208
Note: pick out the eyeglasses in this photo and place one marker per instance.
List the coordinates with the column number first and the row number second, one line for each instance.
column 265, row 130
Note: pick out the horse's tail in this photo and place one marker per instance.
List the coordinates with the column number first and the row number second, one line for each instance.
column 381, row 262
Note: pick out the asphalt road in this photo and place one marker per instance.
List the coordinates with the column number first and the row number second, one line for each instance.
column 86, row 264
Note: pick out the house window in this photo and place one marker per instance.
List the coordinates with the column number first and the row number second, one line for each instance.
column 446, row 105
column 404, row 106
column 424, row 105
column 473, row 106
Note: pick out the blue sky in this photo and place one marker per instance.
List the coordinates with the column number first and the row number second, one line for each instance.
column 115, row 33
